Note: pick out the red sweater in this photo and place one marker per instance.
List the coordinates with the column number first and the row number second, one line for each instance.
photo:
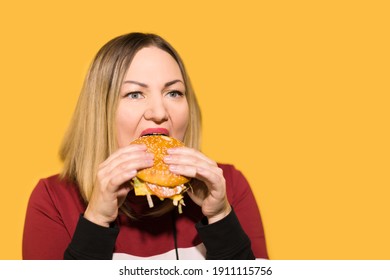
column 55, row 226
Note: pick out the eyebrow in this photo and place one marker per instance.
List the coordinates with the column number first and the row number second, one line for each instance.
column 145, row 85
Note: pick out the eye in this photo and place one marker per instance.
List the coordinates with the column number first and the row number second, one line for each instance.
column 175, row 94
column 134, row 95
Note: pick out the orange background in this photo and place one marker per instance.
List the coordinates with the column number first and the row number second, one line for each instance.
column 294, row 93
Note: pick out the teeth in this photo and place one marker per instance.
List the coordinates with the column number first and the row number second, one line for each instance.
column 149, row 134
column 166, row 138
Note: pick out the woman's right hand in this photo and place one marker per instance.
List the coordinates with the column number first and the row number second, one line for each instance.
column 112, row 184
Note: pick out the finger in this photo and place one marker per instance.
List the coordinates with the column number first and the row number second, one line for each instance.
column 117, row 172
column 124, row 190
column 185, row 151
column 115, row 182
column 122, row 160
column 189, row 160
column 184, row 170
column 198, row 199
column 125, row 172
column 123, row 151
column 212, row 177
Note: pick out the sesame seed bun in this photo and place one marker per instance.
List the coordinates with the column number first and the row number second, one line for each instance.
column 159, row 173
column 158, row 180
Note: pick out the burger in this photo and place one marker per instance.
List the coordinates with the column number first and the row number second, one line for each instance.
column 158, row 180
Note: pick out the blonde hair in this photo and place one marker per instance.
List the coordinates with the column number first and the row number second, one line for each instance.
column 91, row 136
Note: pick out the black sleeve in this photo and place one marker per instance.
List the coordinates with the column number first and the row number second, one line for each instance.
column 91, row 242
column 225, row 239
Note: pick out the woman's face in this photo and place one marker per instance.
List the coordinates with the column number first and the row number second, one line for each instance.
column 152, row 98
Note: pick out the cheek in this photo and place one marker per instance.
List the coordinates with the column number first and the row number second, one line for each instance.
column 180, row 119
column 125, row 125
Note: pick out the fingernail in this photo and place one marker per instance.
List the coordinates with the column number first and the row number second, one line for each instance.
column 150, row 155
column 173, row 167
column 140, row 146
column 167, row 158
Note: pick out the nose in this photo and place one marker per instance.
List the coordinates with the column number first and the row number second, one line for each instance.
column 156, row 110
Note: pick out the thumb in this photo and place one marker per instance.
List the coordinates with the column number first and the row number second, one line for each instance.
column 122, row 193
column 198, row 200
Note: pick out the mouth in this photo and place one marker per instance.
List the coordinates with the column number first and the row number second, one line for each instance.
column 156, row 130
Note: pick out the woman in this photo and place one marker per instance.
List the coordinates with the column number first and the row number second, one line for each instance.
column 137, row 84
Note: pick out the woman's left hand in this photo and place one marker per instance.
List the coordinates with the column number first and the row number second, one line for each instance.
column 192, row 163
